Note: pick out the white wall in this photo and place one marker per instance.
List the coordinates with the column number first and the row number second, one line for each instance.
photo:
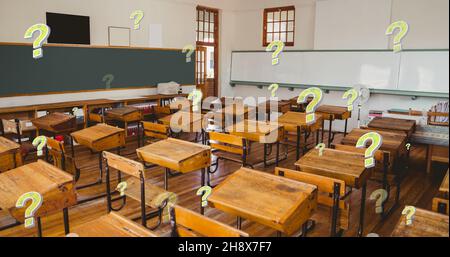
column 348, row 24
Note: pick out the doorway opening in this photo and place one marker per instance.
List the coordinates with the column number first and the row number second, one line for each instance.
column 207, row 52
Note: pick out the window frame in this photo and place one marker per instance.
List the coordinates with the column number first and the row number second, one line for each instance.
column 287, row 21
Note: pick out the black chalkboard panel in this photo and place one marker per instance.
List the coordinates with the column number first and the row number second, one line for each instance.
column 69, row 68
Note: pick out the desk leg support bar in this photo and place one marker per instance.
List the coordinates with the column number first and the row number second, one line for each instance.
column 362, row 210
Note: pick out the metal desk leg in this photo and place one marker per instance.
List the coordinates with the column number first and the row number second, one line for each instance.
column 323, row 130
column 299, row 132
column 166, row 179
column 265, row 155
column 72, row 146
column 39, row 226
column 330, row 128
column 66, row 220
column 278, row 154
column 305, row 147
column 345, row 129
column 239, row 223
column 362, row 210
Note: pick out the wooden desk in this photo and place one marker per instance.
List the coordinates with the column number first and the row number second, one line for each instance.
column 296, row 122
column 392, row 124
column 425, row 224
column 56, row 187
column 10, row 156
column 282, row 107
column 259, row 131
column 345, row 166
column 440, row 201
column 126, row 115
column 177, row 155
column 436, row 138
column 186, row 122
column 98, row 138
column 331, row 113
column 444, row 186
column 112, row 225
column 394, row 143
column 235, row 113
column 57, row 123
column 279, row 203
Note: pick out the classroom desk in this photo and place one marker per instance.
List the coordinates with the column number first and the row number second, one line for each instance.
column 345, row 166
column 126, row 115
column 444, row 186
column 187, row 122
column 392, row 124
column 262, row 132
column 56, row 187
column 279, row 203
column 394, row 143
column 425, row 224
column 440, row 202
column 177, row 155
column 10, row 156
column 436, row 140
column 98, row 138
column 57, row 123
column 235, row 113
column 331, row 113
column 111, row 225
column 296, row 122
column 282, row 107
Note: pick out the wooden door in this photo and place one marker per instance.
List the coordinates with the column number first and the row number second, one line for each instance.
column 200, row 69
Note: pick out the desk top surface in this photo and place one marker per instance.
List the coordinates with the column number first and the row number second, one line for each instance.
column 330, row 109
column 112, row 225
column 39, row 176
column 192, row 117
column 173, row 150
column 425, row 224
column 122, row 111
column 297, row 119
column 97, row 132
column 261, row 195
column 393, row 142
column 345, row 166
column 53, row 119
column 7, row 145
column 236, row 109
column 404, row 125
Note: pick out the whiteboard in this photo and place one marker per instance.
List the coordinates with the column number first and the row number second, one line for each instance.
column 382, row 70
column 424, row 72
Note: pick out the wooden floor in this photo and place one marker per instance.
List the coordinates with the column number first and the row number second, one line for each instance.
column 418, row 189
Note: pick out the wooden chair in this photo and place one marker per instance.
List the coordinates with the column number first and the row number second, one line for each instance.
column 384, row 172
column 153, row 132
column 331, row 194
column 186, row 223
column 230, row 147
column 61, row 159
column 137, row 188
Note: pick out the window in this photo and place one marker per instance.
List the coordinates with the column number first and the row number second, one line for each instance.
column 206, row 25
column 279, row 24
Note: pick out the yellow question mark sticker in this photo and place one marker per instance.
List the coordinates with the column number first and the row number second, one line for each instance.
column 205, row 192
column 39, row 41
column 39, row 143
column 36, row 203
column 312, row 106
column 196, row 98
column 108, row 78
column 277, row 52
column 377, row 141
column 354, row 95
column 188, row 50
column 380, row 196
column 321, row 148
column 409, row 211
column 403, row 27
column 137, row 16
column 122, row 187
column 273, row 88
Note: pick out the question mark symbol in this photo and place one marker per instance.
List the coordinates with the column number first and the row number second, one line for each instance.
column 321, row 147
column 121, row 187
column 137, row 16
column 108, row 78
column 380, row 195
column 273, row 88
column 354, row 95
column 189, row 49
column 312, row 106
column 403, row 27
column 409, row 211
column 276, row 53
column 205, row 192
column 36, row 203
column 196, row 97
column 39, row 41
column 377, row 141
column 40, row 142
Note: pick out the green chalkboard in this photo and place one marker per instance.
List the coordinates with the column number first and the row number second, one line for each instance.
column 69, row 68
